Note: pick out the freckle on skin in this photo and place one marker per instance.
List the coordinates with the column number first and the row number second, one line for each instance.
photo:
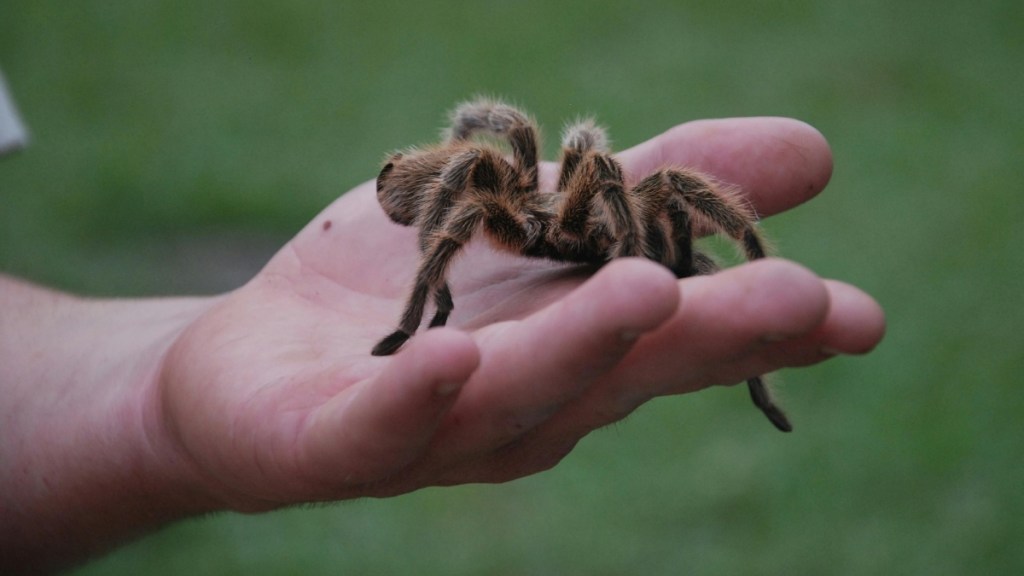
column 327, row 225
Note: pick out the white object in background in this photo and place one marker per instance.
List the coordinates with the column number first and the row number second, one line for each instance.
column 12, row 132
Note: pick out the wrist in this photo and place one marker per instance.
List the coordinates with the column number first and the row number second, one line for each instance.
column 86, row 462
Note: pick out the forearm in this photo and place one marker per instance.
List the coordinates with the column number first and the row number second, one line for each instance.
column 81, row 453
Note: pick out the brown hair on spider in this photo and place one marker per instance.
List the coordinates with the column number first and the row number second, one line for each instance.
column 458, row 188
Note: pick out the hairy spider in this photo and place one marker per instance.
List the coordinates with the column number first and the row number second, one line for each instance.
column 462, row 186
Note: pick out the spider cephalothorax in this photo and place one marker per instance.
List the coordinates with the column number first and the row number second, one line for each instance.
column 462, row 187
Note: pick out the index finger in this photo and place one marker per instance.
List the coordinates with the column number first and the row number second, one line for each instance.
column 778, row 163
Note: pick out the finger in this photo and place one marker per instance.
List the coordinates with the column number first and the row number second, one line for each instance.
column 386, row 422
column 778, row 163
column 852, row 324
column 713, row 337
column 744, row 321
column 531, row 367
column 855, row 324
column 724, row 319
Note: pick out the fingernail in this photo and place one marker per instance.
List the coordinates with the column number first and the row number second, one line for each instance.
column 830, row 351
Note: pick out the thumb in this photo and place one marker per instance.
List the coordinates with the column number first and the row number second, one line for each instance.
column 385, row 423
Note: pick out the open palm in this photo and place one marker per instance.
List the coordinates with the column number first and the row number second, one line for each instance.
column 272, row 396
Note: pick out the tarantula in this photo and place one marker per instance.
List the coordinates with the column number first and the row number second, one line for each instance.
column 463, row 186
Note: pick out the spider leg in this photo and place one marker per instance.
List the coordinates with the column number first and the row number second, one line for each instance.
column 668, row 233
column 453, row 180
column 452, row 183
column 704, row 264
column 692, row 191
column 597, row 218
column 759, row 393
column 625, row 225
column 443, row 300
column 577, row 139
column 450, row 188
column 430, row 275
column 720, row 208
column 763, row 400
column 680, row 195
column 495, row 117
column 685, row 260
column 470, row 190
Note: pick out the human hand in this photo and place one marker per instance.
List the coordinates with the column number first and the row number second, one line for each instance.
column 271, row 396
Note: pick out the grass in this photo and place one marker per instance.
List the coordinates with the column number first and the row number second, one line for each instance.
column 171, row 133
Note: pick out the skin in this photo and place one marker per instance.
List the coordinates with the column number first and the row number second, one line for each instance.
column 120, row 416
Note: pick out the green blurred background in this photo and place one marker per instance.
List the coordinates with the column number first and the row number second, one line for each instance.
column 177, row 144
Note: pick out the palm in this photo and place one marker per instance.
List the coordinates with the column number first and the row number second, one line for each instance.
column 275, row 396
column 368, row 262
column 299, row 334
